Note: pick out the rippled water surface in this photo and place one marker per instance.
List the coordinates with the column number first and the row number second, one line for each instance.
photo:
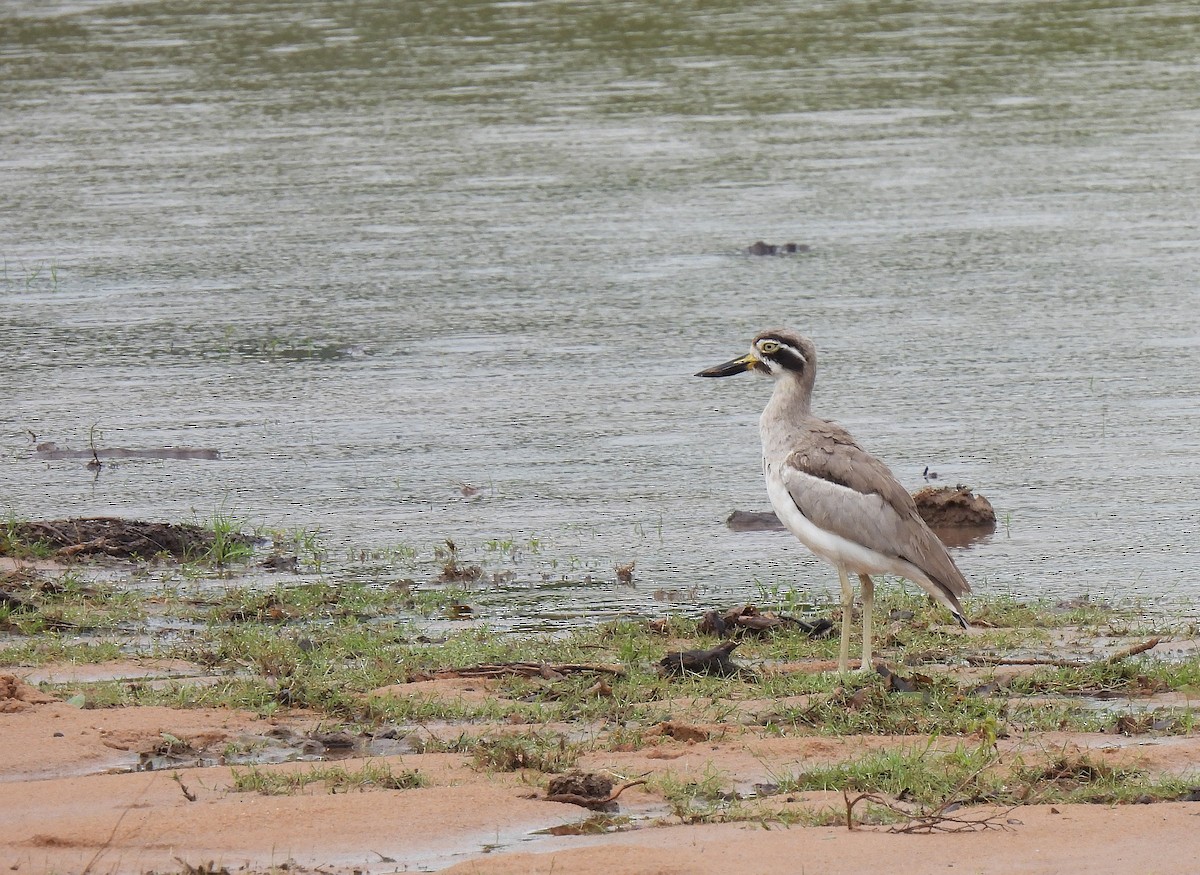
column 374, row 251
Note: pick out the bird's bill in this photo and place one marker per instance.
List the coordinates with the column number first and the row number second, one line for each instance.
column 736, row 366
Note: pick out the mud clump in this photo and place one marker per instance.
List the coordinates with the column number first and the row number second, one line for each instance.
column 955, row 514
column 16, row 695
column 115, row 537
column 587, row 784
column 953, row 507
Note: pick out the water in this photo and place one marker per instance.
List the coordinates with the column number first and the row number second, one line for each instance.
column 374, row 251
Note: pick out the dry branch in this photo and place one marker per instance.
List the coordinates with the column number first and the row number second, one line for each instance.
column 597, row 803
column 1133, row 651
column 1064, row 663
column 937, row 819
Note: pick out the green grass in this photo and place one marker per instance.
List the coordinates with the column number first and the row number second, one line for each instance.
column 971, row 775
column 53, row 648
column 542, row 752
column 1138, row 676
column 65, row 602
column 706, row 799
column 371, row 775
column 229, row 546
column 13, row 544
column 922, row 774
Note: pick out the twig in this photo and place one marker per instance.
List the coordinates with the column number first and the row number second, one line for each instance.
column 1065, row 663
column 1003, row 660
column 527, row 669
column 1133, row 651
column 187, row 794
column 936, row 820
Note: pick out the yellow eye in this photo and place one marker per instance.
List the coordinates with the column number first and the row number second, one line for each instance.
column 768, row 347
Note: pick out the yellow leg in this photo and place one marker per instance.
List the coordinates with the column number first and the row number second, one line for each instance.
column 847, row 614
column 868, row 600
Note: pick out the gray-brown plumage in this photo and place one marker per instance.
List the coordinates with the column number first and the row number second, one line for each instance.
column 838, row 499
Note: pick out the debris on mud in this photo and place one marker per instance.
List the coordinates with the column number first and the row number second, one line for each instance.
column 713, row 661
column 115, row 537
column 546, row 671
column 684, row 732
column 898, row 684
column 749, row 620
column 454, row 570
column 587, row 789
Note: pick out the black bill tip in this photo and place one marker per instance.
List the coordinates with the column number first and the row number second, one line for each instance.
column 729, row 368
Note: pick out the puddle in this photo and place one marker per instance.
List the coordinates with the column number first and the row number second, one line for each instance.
column 84, row 673
column 280, row 745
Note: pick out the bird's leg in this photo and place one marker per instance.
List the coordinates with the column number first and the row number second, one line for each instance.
column 847, row 614
column 868, row 600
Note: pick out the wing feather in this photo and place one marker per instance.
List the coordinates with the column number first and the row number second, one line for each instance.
column 856, row 496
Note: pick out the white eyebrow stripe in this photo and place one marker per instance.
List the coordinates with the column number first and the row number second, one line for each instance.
column 783, row 346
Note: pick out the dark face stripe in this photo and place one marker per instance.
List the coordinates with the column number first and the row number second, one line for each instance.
column 788, row 358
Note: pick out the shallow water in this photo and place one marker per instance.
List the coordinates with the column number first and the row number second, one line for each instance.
column 374, row 252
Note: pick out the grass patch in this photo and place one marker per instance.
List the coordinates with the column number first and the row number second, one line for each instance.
column 33, row 603
column 1141, row 676
column 229, row 546
column 547, row 752
column 923, row 775
column 13, row 543
column 371, row 775
column 706, row 799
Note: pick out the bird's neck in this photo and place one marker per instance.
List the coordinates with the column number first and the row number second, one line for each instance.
column 785, row 417
column 791, row 401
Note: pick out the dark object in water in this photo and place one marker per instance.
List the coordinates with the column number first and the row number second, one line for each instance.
column 714, row 661
column 51, row 452
column 760, row 247
column 748, row 620
column 281, row 562
column 122, row 539
column 753, row 521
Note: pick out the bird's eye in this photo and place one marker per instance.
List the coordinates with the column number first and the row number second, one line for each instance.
column 768, row 347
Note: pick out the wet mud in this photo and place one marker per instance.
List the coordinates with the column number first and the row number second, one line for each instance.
column 114, row 537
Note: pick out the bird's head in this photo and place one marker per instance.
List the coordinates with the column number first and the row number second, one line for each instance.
column 778, row 352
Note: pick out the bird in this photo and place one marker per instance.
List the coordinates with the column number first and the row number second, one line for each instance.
column 842, row 503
